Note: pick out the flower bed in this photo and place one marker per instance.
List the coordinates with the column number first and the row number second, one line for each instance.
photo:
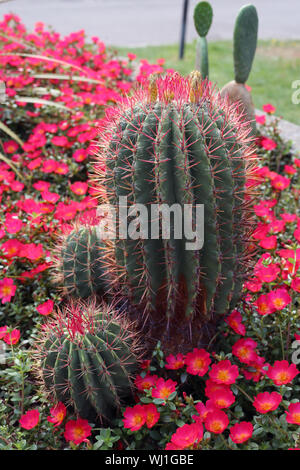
column 241, row 393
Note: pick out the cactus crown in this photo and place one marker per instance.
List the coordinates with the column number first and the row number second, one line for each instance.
column 86, row 357
column 203, row 15
column 245, row 41
column 180, row 145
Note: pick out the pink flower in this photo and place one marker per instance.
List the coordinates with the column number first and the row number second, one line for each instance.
column 260, row 119
column 224, row 372
column 134, row 418
column 163, row 388
column 174, row 362
column 30, row 419
column 12, row 337
column 46, row 307
column 293, row 413
column 58, row 414
column 241, row 432
column 234, row 320
column 268, row 144
column 77, row 431
column 7, row 289
column 186, row 437
column 269, row 108
column 279, row 298
column 282, row 372
column 265, row 402
column 197, row 362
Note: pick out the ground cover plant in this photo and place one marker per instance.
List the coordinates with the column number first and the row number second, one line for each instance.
column 242, row 391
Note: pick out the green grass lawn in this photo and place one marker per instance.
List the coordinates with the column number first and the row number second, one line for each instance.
column 276, row 66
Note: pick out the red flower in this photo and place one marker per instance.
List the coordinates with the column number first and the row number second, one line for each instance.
column 241, row 432
column 3, row 331
column 77, row 431
column 268, row 144
column 12, row 337
column 212, row 387
column 163, row 388
column 269, row 108
column 222, row 398
column 152, row 415
column 79, row 188
column 265, row 402
column 234, row 320
column 145, row 383
column 280, row 182
column 269, row 243
column 174, row 362
column 58, row 414
column 7, row 289
column 295, row 284
column 216, row 421
column 279, row 298
column 293, row 413
column 60, row 141
column 244, row 350
column 260, row 119
column 282, row 372
column 134, row 418
column 197, row 362
column 224, row 372
column 30, row 419
column 264, row 306
column 10, row 146
column 186, row 437
column 46, row 307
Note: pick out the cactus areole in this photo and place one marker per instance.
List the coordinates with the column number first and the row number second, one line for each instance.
column 175, row 141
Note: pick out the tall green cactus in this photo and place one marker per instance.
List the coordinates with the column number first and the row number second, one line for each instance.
column 179, row 143
column 245, row 42
column 203, row 15
column 86, row 357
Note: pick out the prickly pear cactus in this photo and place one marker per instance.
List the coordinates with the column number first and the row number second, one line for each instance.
column 203, row 15
column 244, row 47
column 179, row 143
column 244, row 42
column 86, row 357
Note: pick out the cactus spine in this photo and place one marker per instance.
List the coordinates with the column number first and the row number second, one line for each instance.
column 203, row 15
column 86, row 357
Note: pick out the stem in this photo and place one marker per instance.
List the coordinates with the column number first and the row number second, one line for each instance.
column 245, row 393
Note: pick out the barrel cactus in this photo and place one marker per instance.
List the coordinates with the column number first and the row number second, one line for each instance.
column 178, row 142
column 86, row 357
column 203, row 15
column 244, row 47
column 80, row 263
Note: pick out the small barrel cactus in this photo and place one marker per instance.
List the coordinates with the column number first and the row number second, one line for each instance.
column 203, row 15
column 178, row 142
column 86, row 356
column 80, row 263
column 244, row 47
